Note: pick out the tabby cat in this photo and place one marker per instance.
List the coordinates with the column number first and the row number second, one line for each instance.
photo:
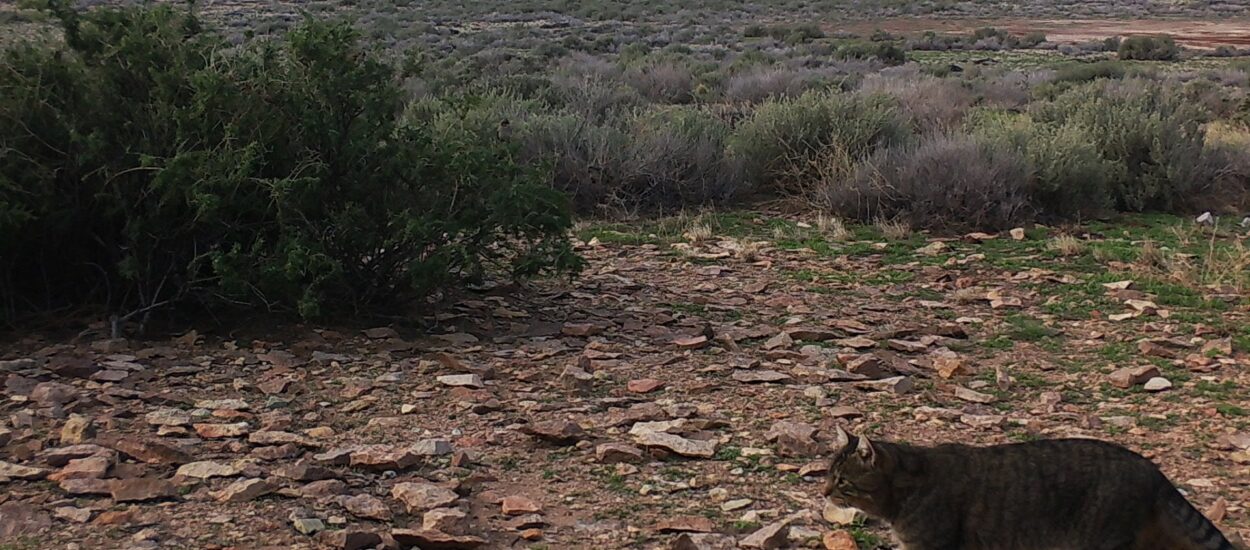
column 1062, row 494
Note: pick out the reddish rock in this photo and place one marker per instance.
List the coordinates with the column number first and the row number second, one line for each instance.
column 435, row 540
column 87, row 486
column 383, row 457
column 21, row 519
column 222, row 431
column 517, row 505
column 612, row 453
column 244, row 490
column 419, row 497
column 447, row 520
column 94, row 467
column 152, row 452
column 141, row 489
column 560, row 432
column 1128, row 377
column 366, row 506
column 644, row 385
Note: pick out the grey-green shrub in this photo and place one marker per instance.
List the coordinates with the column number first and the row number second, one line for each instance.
column 779, row 141
column 943, row 181
column 1149, row 130
column 678, row 159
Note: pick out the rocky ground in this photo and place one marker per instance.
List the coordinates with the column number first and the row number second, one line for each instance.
column 678, row 395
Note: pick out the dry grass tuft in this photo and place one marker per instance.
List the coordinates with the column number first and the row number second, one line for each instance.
column 1067, row 245
column 894, row 230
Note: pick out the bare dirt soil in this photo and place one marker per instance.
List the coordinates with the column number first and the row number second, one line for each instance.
column 683, row 388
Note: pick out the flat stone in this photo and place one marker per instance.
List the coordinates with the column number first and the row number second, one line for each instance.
column 780, row 341
column 61, row 456
column 351, row 539
column 419, row 497
column 736, row 504
column 759, row 376
column 678, row 445
column 52, row 394
column 222, row 404
column 973, row 396
column 92, row 467
column 794, row 439
column 1157, row 384
column 559, row 432
column 867, row 365
column 207, row 469
column 383, row 457
column 168, row 417
column 897, row 385
column 308, row 526
column 691, row 342
column 110, row 375
column 280, row 438
column 17, row 471
column 447, row 520
column 87, row 486
column 152, row 452
column 244, row 490
column 305, row 470
column 644, row 385
column 461, row 380
column 613, row 453
column 841, row 515
column 367, row 506
column 323, row 488
column 577, row 379
column 1128, row 377
column 72, row 514
column 141, row 489
column 768, row 537
column 517, row 505
column 856, row 342
column 20, row 519
column 843, row 411
column 431, row 447
column 222, row 431
column 435, row 540
column 703, row 541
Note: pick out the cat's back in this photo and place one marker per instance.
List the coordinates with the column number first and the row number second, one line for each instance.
column 1060, row 468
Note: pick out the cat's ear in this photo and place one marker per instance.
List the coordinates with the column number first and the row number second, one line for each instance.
column 865, row 450
column 841, row 439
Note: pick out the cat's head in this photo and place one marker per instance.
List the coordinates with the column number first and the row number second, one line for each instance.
column 859, row 473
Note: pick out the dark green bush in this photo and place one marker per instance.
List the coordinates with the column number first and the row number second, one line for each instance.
column 1148, row 48
column 143, row 162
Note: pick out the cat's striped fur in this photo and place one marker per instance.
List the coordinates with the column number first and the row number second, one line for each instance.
column 1063, row 494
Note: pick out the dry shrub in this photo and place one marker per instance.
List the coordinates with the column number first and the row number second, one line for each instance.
column 758, row 84
column 944, row 181
column 667, row 83
column 677, row 158
column 783, row 143
column 930, row 103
